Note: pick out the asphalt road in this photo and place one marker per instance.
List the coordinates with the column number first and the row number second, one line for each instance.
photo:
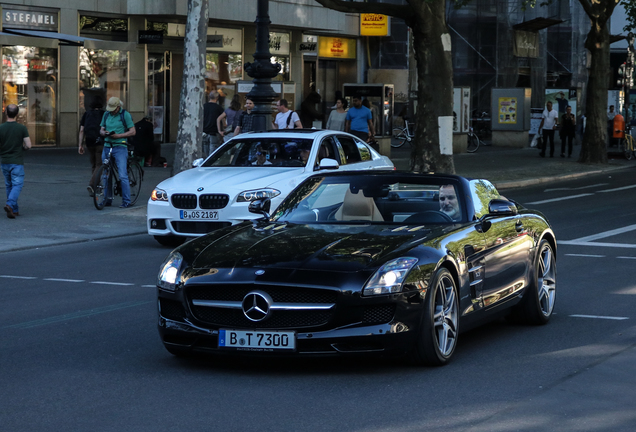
column 79, row 349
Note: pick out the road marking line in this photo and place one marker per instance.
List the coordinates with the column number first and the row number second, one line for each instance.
column 111, row 283
column 600, row 317
column 149, row 286
column 558, row 199
column 576, row 188
column 63, row 280
column 609, row 233
column 584, row 243
column 617, row 189
column 625, row 257
column 75, row 315
column 586, row 255
column 17, row 277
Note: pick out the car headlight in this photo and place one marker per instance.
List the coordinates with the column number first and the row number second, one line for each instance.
column 389, row 278
column 170, row 272
column 251, row 195
column 159, row 195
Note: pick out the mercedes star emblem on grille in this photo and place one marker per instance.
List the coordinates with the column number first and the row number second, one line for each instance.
column 256, row 305
column 200, row 189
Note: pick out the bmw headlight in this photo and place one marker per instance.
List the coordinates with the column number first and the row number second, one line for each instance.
column 389, row 278
column 251, row 195
column 170, row 272
column 159, row 195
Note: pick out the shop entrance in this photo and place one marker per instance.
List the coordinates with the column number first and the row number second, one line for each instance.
column 29, row 80
column 159, row 94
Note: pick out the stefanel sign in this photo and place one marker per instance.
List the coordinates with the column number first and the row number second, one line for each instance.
column 28, row 19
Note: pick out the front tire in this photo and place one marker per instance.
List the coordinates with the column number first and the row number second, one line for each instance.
column 538, row 301
column 440, row 322
column 135, row 177
column 398, row 138
column 473, row 143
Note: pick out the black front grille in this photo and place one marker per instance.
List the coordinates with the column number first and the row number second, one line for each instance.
column 184, row 201
column 198, row 227
column 213, row 201
column 378, row 314
column 171, row 309
column 277, row 293
column 277, row 319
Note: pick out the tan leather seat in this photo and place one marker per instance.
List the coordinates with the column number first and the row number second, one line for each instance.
column 358, row 207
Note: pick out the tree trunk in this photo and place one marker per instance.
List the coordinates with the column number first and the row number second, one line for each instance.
column 432, row 46
column 593, row 148
column 188, row 147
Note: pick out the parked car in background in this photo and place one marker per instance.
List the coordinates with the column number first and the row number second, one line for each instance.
column 373, row 263
column 216, row 193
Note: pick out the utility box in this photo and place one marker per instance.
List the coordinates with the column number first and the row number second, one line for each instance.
column 511, row 114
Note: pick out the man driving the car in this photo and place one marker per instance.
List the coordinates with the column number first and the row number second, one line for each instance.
column 448, row 202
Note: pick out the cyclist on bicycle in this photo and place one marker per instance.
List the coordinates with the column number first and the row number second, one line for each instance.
column 116, row 126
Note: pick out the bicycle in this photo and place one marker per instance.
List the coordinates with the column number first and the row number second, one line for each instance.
column 473, row 141
column 629, row 147
column 109, row 183
column 401, row 135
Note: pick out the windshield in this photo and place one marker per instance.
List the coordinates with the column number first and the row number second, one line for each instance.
column 372, row 199
column 259, row 152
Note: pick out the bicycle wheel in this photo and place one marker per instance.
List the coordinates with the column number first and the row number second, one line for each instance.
column 473, row 143
column 103, row 185
column 398, row 138
column 629, row 147
column 135, row 177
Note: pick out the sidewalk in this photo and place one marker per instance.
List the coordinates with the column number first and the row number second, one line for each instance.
column 55, row 207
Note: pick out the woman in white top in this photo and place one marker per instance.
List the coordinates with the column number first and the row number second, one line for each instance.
column 338, row 116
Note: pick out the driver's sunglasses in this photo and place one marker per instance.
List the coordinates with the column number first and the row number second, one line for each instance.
column 450, row 198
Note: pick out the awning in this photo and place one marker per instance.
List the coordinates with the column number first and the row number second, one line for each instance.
column 536, row 24
column 71, row 40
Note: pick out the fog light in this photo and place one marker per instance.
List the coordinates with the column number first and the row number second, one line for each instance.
column 158, row 224
column 153, row 223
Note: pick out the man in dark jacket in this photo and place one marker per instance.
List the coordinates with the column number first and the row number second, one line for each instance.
column 144, row 140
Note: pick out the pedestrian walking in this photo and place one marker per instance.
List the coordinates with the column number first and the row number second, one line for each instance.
column 549, row 121
column 338, row 116
column 211, row 112
column 227, row 122
column 245, row 122
column 14, row 139
column 88, row 139
column 116, row 127
column 308, row 111
column 286, row 118
column 358, row 121
column 568, row 130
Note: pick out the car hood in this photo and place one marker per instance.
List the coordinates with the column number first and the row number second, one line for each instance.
column 226, row 179
column 331, row 247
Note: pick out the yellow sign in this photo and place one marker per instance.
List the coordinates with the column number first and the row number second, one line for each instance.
column 374, row 25
column 335, row 47
column 507, row 110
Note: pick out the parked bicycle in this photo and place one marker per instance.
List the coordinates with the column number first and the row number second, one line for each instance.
column 109, row 182
column 402, row 135
column 473, row 141
column 629, row 147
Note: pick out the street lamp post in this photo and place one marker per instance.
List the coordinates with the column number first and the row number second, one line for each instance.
column 262, row 71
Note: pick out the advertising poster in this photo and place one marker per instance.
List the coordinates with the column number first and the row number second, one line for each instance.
column 507, row 110
column 457, row 107
column 560, row 99
column 157, row 119
column 465, row 108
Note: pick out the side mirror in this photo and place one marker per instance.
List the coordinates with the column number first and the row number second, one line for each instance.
column 260, row 206
column 197, row 162
column 329, row 164
column 500, row 207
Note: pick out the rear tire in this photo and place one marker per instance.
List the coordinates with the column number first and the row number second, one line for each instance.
column 629, row 148
column 398, row 138
column 170, row 240
column 135, row 177
column 473, row 143
column 440, row 322
column 538, row 301
column 103, row 184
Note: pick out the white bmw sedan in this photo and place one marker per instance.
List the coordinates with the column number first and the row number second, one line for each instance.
column 217, row 192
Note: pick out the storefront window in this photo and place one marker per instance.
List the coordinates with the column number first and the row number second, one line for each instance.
column 29, row 80
column 222, row 69
column 283, row 75
column 103, row 74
